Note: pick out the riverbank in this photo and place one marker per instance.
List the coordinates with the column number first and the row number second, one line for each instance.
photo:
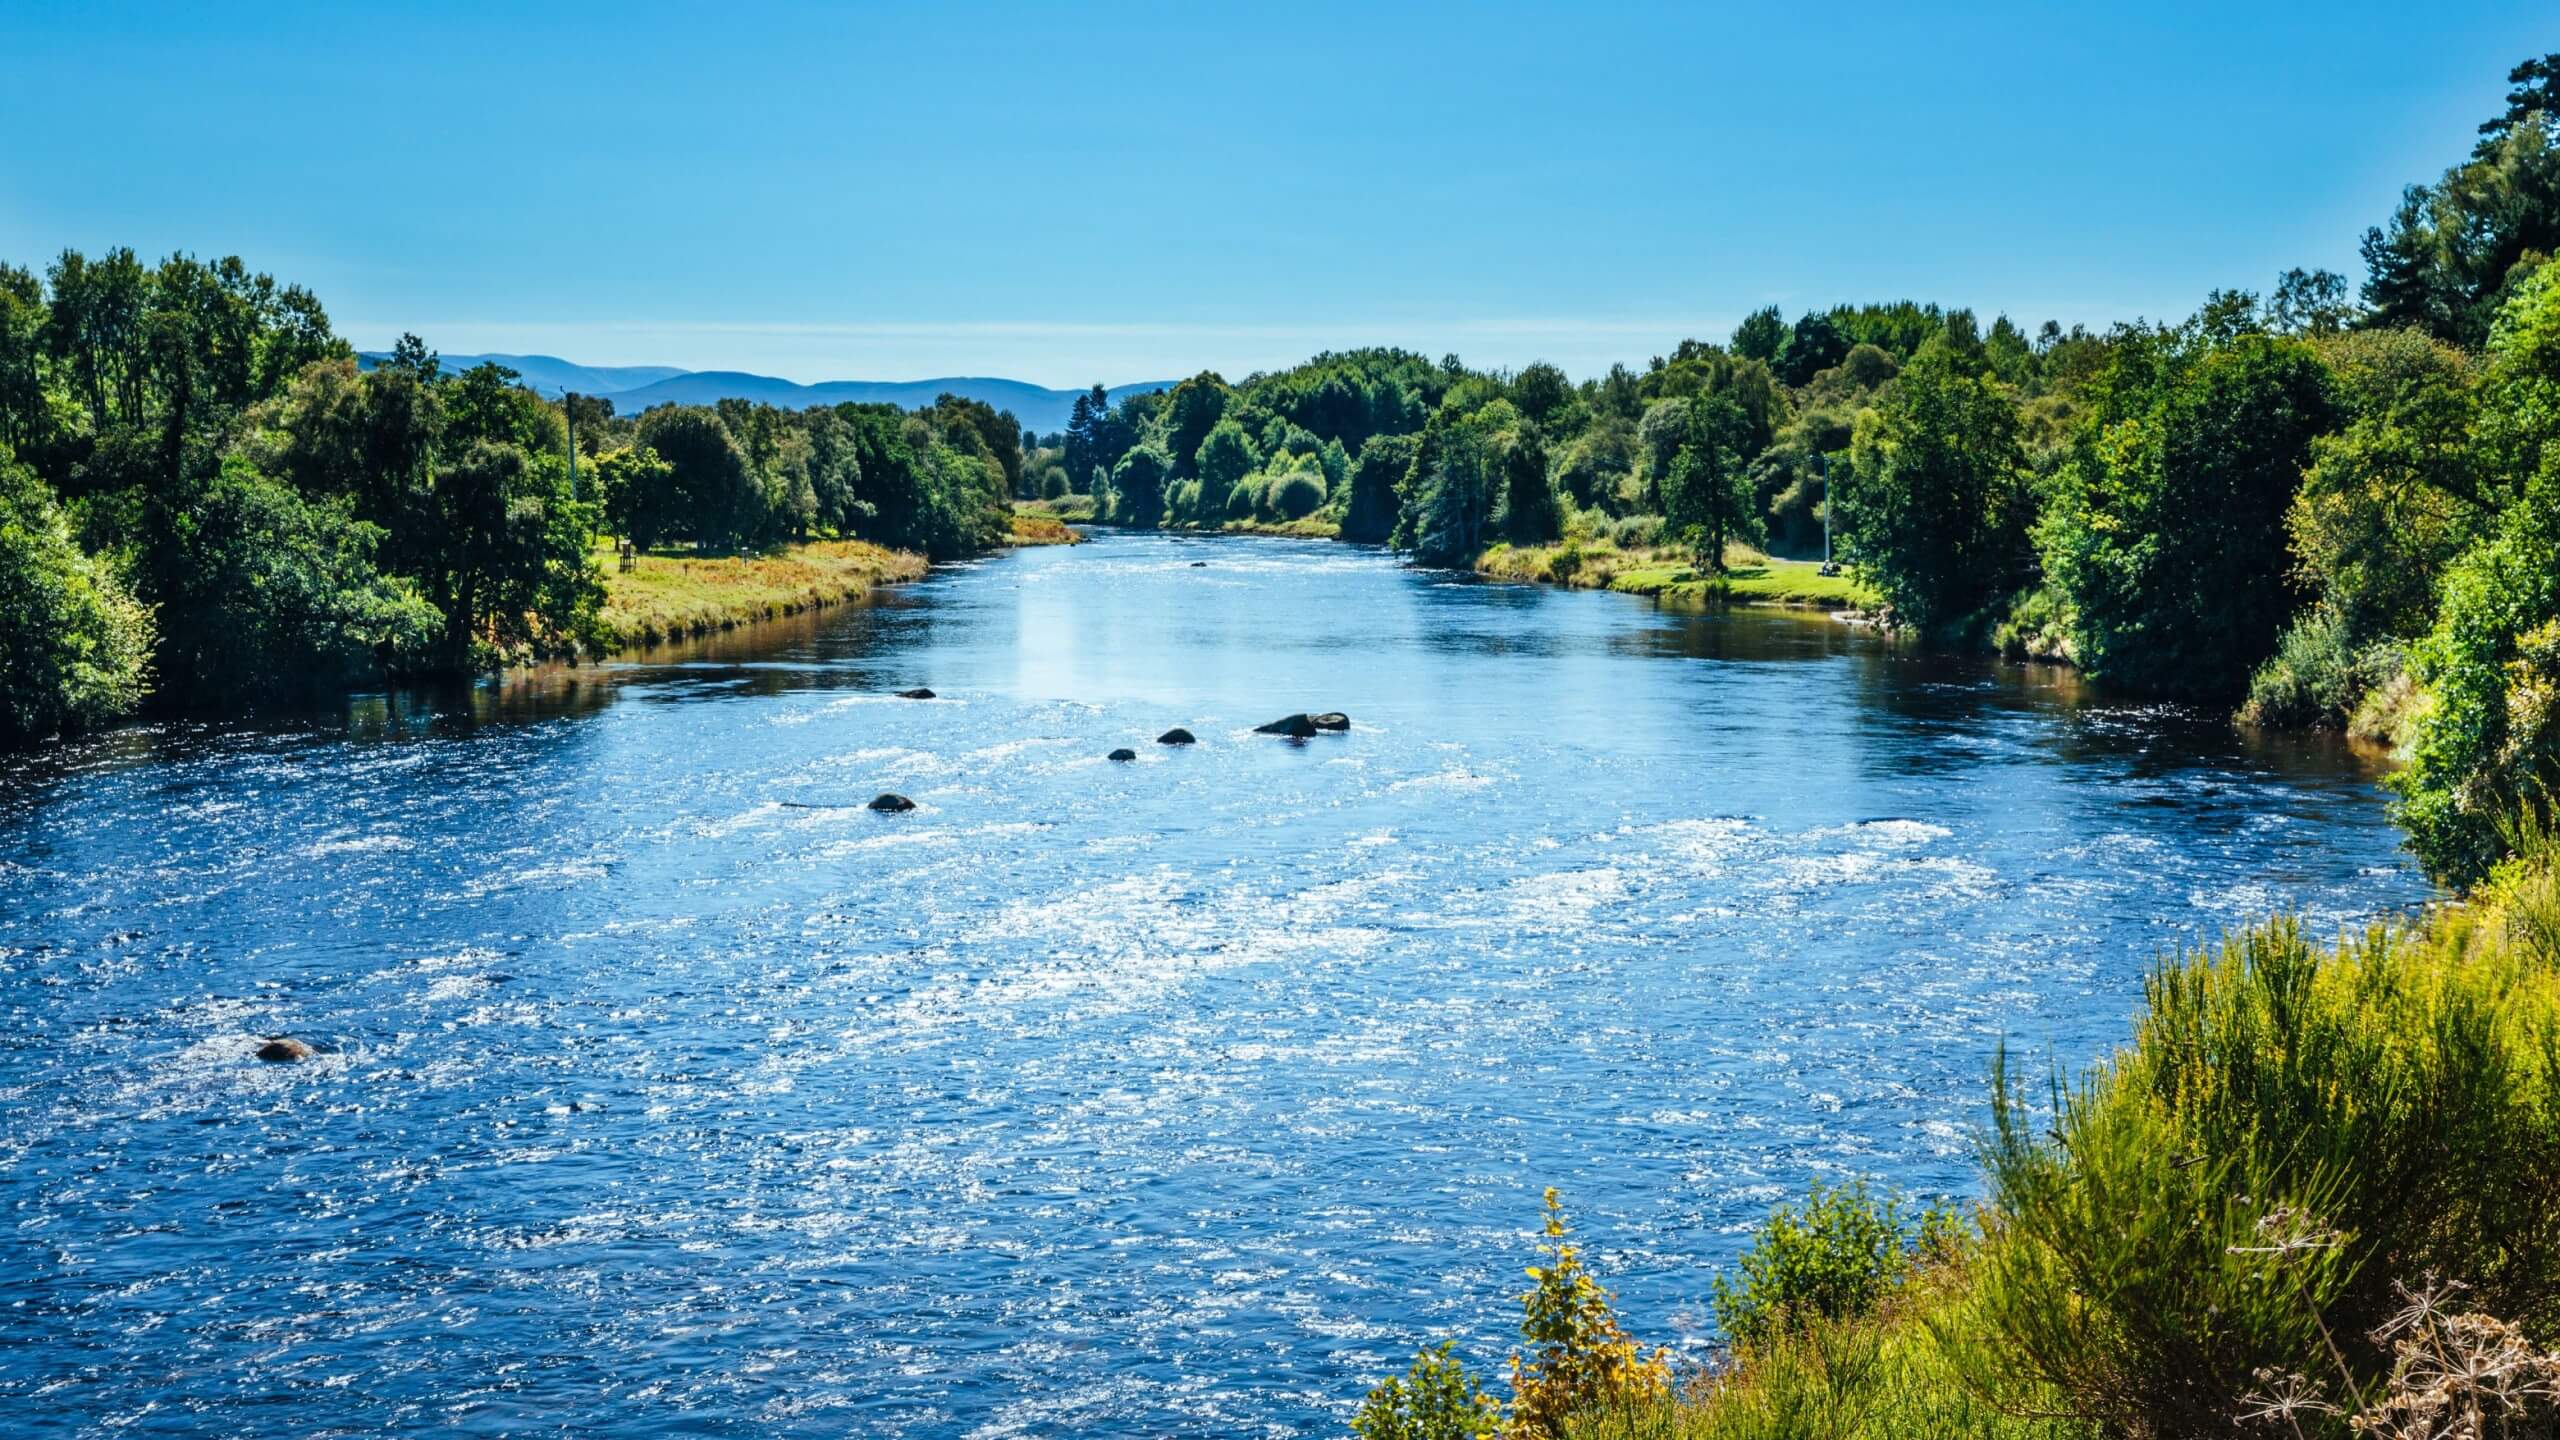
column 675, row 597
column 1750, row 577
column 672, row 597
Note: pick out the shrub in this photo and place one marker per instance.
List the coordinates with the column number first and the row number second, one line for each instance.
column 1297, row 495
column 2317, row 676
column 1053, row 483
column 1634, row 532
column 2290, row 1131
column 1836, row 1257
column 1580, row 1358
column 1894, row 1375
column 1436, row 1399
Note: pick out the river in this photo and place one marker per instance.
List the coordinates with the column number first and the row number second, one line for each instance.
column 667, row 1091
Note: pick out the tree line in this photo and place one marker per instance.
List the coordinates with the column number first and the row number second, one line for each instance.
column 2329, row 504
column 207, row 501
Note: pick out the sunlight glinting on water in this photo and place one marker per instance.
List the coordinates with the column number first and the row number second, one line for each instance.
column 1179, row 1097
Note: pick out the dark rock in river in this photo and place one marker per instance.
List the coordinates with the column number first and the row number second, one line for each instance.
column 918, row 693
column 1331, row 720
column 1124, row 753
column 1296, row 727
column 284, row 1050
column 890, row 803
column 1199, row 564
column 1177, row 736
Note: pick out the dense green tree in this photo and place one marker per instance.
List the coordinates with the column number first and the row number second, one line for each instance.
column 1138, row 486
column 1224, row 457
column 1934, row 506
column 1761, row 335
column 2394, row 495
column 2164, row 535
column 1530, row 512
column 1546, row 397
column 2452, row 250
column 1706, row 497
column 75, row 647
column 2486, row 753
column 2310, row 302
column 721, row 504
column 1596, row 464
column 26, row 412
column 641, row 501
column 1369, row 513
column 264, row 594
column 1191, row 411
column 1448, row 497
column 1815, row 345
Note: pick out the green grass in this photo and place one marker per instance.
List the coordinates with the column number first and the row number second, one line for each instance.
column 1893, row 1375
column 1040, row 527
column 1750, row 577
column 1074, row 509
column 671, row 596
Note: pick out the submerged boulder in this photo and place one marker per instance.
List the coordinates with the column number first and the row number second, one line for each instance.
column 1123, row 753
column 889, row 802
column 918, row 693
column 1331, row 720
column 1177, row 736
column 284, row 1050
column 1296, row 727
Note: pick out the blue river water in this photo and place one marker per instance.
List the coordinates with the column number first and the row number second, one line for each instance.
column 667, row 1091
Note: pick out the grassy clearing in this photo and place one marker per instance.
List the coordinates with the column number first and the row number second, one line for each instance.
column 1750, row 577
column 1035, row 527
column 670, row 597
column 1313, row 527
column 1073, row 509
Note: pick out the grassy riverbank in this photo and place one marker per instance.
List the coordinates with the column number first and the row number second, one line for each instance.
column 670, row 597
column 2315, row 1195
column 1750, row 577
column 1033, row 527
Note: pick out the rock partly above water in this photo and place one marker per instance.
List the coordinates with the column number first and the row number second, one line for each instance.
column 1124, row 753
column 1177, row 736
column 918, row 693
column 889, row 802
column 284, row 1050
column 1302, row 725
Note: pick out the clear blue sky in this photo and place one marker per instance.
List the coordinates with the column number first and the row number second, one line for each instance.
column 1066, row 193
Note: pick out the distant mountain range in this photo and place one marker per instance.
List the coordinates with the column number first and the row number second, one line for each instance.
column 634, row 388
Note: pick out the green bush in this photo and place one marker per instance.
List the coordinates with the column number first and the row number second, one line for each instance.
column 1436, row 1399
column 2317, row 676
column 1298, row 495
column 1834, row 1257
column 1897, row 1375
column 2292, row 1132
